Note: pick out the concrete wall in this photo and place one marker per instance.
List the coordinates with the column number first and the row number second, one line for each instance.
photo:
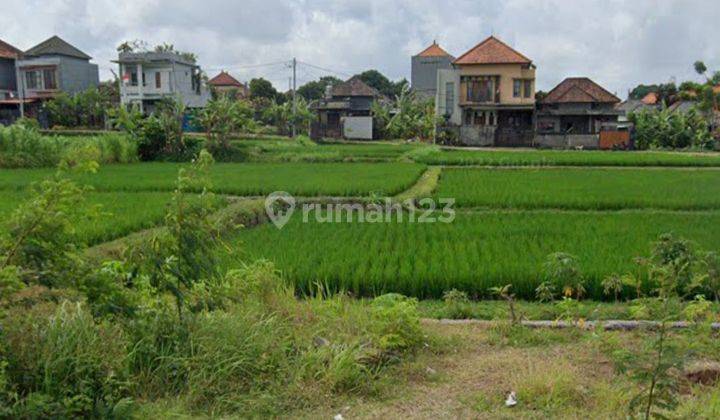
column 560, row 141
column 7, row 75
column 477, row 136
column 423, row 73
column 507, row 73
column 76, row 75
column 360, row 128
column 441, row 103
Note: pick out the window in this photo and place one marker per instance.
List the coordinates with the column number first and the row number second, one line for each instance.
column 479, row 88
column 133, row 79
column 517, row 86
column 144, row 82
column 527, row 88
column 32, row 80
column 158, row 80
column 449, row 98
column 49, row 80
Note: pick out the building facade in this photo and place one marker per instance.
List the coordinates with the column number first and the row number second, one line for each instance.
column 9, row 101
column 489, row 95
column 345, row 111
column 574, row 113
column 225, row 84
column 424, row 69
column 150, row 77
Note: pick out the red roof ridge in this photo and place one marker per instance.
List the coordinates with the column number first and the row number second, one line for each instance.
column 224, row 79
column 525, row 60
column 9, row 51
column 585, row 85
column 434, row 50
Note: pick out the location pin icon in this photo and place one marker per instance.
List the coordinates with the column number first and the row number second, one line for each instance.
column 279, row 207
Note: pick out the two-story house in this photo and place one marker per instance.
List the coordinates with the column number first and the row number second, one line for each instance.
column 55, row 66
column 490, row 95
column 346, row 111
column 149, row 77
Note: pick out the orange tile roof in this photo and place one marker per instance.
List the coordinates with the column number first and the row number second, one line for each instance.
column 650, row 99
column 224, row 79
column 8, row 51
column 578, row 90
column 492, row 51
column 434, row 50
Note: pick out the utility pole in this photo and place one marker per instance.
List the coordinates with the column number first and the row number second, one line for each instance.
column 294, row 98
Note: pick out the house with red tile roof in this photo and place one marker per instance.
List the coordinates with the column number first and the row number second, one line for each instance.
column 424, row 69
column 225, row 84
column 577, row 106
column 490, row 95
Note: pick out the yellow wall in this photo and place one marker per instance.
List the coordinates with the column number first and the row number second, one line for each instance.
column 507, row 73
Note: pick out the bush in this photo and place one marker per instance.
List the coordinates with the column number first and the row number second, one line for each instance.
column 64, row 365
column 23, row 147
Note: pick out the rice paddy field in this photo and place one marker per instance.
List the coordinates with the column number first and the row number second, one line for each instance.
column 587, row 188
column 121, row 213
column 303, row 179
column 568, row 158
column 475, row 252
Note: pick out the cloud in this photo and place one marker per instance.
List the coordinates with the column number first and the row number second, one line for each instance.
column 619, row 43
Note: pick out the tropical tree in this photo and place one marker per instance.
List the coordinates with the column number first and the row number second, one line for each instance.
column 407, row 117
column 261, row 88
column 316, row 89
column 221, row 117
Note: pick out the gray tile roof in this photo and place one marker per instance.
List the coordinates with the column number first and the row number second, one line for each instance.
column 56, row 46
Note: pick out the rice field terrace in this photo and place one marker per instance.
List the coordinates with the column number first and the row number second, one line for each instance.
column 247, row 179
column 284, row 151
column 567, row 158
column 120, row 213
column 587, row 188
column 475, row 252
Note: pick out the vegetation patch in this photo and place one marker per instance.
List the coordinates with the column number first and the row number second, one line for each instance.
column 348, row 179
column 582, row 189
column 475, row 252
column 568, row 158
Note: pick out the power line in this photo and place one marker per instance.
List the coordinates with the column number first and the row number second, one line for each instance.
column 246, row 66
column 341, row 73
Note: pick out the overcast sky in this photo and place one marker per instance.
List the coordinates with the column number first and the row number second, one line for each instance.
column 617, row 43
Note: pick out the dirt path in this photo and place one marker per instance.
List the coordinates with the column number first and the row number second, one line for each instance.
column 552, row 379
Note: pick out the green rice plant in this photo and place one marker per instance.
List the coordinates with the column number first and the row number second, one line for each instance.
column 249, row 179
column 120, row 213
column 540, row 158
column 475, row 252
column 582, row 189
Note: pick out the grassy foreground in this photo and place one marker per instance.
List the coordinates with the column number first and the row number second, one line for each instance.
column 582, row 189
column 245, row 178
column 475, row 252
column 555, row 374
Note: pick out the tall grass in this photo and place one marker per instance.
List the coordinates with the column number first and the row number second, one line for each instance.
column 306, row 179
column 22, row 147
column 475, row 252
column 591, row 189
column 567, row 158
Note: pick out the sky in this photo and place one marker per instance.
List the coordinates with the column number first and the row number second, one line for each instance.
column 617, row 43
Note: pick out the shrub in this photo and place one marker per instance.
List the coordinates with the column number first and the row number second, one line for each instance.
column 65, row 365
column 22, row 147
